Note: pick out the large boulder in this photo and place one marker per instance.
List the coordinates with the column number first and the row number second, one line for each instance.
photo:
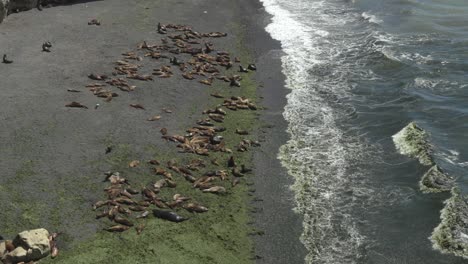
column 4, row 9
column 21, row 5
column 35, row 241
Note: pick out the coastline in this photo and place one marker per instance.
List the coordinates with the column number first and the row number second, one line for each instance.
column 84, row 135
column 281, row 225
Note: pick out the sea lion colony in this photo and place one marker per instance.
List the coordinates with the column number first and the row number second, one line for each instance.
column 195, row 58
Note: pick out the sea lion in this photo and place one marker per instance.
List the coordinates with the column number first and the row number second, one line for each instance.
column 76, row 105
column 142, row 215
column 94, row 22
column 217, row 95
column 244, row 169
column 108, row 149
column 140, row 228
column 154, row 162
column 122, row 221
column 252, row 67
column 117, row 228
column 46, row 46
column 6, row 60
column 97, row 77
column 137, row 106
column 231, row 162
column 215, row 190
column 134, row 164
column 242, row 132
column 235, row 82
column 195, row 208
column 242, row 69
column 169, row 215
column 208, row 81
column 236, row 172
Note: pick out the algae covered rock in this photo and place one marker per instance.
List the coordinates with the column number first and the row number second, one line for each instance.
column 451, row 235
column 412, row 141
column 435, row 180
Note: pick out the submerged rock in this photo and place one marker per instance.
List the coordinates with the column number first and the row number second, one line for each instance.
column 451, row 235
column 435, row 180
column 412, row 141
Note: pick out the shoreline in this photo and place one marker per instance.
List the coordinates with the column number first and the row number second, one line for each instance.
column 87, row 134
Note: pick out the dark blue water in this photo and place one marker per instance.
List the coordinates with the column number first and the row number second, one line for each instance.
column 359, row 71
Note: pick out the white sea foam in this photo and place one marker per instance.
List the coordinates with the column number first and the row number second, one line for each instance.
column 317, row 154
column 371, row 18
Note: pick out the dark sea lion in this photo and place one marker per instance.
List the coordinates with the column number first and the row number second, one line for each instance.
column 252, row 67
column 46, row 46
column 231, row 162
column 6, row 60
column 168, row 215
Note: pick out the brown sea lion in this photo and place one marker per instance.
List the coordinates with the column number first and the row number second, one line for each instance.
column 215, row 190
column 195, row 208
column 122, row 221
column 76, row 105
column 117, row 228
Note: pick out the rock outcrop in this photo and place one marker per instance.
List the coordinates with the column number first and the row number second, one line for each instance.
column 29, row 246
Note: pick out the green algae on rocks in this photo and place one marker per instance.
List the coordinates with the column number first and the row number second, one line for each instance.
column 451, row 235
column 412, row 141
column 435, row 180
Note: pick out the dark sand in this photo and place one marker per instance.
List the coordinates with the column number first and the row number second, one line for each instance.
column 52, row 158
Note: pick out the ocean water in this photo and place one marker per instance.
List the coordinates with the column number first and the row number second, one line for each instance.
column 358, row 72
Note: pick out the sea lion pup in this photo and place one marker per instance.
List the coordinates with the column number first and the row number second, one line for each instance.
column 6, row 60
column 168, row 215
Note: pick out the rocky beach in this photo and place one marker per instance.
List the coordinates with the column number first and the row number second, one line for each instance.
column 136, row 120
